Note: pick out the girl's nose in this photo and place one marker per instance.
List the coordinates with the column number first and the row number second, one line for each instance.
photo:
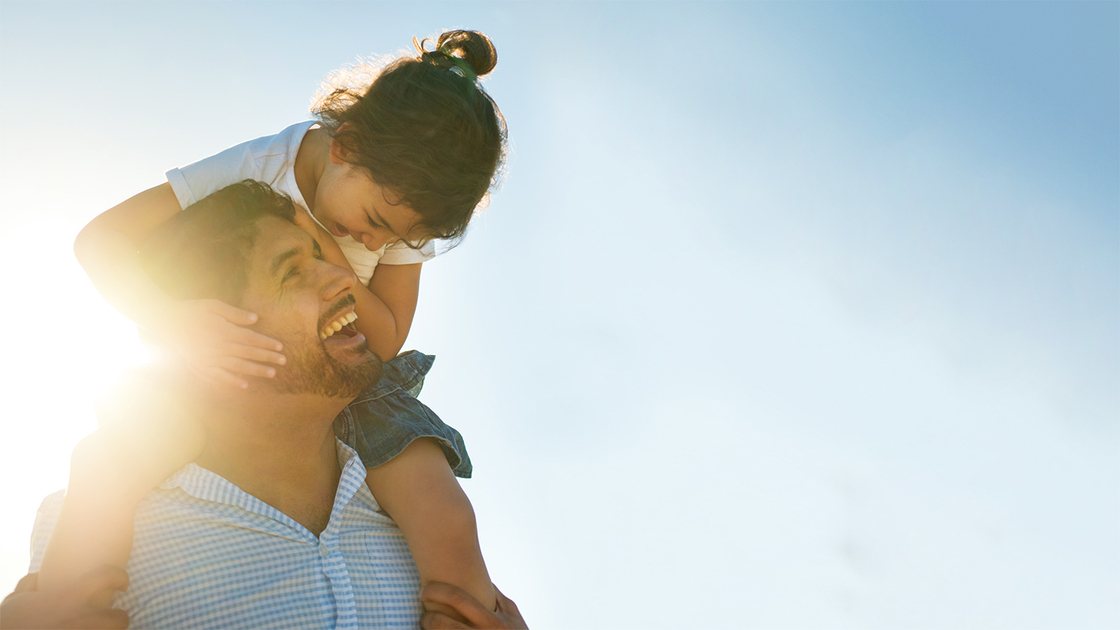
column 372, row 242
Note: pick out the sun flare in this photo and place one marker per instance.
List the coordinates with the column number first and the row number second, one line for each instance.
column 54, row 368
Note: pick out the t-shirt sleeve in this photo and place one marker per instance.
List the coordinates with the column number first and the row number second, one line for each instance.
column 402, row 254
column 192, row 183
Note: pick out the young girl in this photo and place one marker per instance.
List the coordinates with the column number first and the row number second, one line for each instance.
column 384, row 171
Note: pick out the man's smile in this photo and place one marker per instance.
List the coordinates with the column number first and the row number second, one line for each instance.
column 342, row 324
column 339, row 318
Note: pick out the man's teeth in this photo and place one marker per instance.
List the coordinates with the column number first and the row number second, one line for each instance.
column 337, row 324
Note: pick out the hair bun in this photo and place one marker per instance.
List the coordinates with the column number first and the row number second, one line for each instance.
column 472, row 47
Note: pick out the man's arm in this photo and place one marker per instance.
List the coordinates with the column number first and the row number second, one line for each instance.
column 504, row 616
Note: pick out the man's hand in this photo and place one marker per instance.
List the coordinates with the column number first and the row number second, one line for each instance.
column 67, row 607
column 506, row 616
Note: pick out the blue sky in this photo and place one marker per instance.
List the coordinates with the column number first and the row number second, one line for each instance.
column 785, row 315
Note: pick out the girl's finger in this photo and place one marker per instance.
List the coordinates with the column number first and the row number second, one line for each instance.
column 505, row 604
column 241, row 366
column 233, row 314
column 218, row 375
column 100, row 618
column 461, row 602
column 440, row 621
column 252, row 354
column 247, row 337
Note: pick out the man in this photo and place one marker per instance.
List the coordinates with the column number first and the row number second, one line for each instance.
column 272, row 524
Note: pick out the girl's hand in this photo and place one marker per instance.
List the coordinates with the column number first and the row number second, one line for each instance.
column 68, row 607
column 504, row 615
column 210, row 335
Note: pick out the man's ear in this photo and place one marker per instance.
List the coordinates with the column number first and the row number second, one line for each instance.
column 340, row 152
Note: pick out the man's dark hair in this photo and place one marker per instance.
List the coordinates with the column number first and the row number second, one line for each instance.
column 201, row 252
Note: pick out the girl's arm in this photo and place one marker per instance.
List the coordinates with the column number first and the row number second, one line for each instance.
column 419, row 491
column 386, row 307
column 208, row 333
column 107, row 246
column 397, row 288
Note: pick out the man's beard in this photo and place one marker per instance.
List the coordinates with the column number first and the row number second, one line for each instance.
column 310, row 370
column 313, row 371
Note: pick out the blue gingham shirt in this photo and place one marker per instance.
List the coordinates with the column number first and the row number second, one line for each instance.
column 206, row 554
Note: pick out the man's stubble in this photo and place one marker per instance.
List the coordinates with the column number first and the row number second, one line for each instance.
column 311, row 370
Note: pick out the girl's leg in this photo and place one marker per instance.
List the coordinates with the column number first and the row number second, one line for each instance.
column 419, row 491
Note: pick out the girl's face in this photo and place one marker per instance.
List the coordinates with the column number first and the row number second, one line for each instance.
column 349, row 203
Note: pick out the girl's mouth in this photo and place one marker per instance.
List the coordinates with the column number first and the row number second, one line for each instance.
column 338, row 230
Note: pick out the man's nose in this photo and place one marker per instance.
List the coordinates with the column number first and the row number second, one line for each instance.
column 337, row 281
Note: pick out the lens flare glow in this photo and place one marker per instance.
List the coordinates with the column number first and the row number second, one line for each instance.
column 65, row 346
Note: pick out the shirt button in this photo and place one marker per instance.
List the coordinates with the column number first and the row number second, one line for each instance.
column 324, row 551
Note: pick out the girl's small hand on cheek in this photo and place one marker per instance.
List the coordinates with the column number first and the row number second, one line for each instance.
column 213, row 338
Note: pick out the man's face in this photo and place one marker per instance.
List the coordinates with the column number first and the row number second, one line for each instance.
column 297, row 296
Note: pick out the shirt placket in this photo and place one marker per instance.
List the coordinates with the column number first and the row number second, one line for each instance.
column 334, row 568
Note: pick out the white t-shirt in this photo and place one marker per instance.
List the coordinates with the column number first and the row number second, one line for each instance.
column 272, row 160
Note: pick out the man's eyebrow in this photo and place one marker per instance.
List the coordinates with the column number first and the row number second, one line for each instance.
column 279, row 260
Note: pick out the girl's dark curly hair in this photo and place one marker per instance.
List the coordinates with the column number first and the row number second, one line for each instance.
column 423, row 128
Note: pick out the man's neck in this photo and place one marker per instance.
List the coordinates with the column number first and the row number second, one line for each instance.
column 280, row 449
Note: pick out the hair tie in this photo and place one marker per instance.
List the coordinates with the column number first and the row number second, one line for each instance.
column 462, row 68
column 458, row 65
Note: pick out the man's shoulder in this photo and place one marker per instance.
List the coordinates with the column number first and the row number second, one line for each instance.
column 51, row 505
column 45, row 520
